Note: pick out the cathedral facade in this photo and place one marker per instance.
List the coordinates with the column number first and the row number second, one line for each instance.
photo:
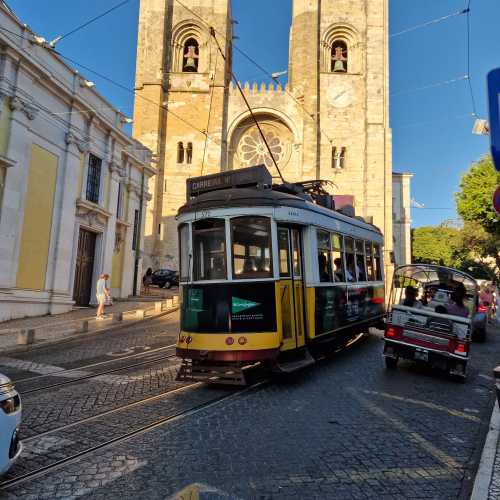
column 330, row 121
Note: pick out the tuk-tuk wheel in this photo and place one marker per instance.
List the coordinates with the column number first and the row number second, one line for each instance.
column 391, row 363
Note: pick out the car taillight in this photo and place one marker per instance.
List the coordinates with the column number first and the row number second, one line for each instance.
column 393, row 332
column 461, row 348
column 482, row 308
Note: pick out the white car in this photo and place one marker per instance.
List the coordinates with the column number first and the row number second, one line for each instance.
column 10, row 420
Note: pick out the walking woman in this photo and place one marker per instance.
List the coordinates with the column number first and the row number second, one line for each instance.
column 102, row 293
column 147, row 280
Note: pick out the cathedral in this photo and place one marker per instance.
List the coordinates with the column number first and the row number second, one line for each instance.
column 330, row 121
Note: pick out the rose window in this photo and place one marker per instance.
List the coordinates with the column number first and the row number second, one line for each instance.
column 253, row 151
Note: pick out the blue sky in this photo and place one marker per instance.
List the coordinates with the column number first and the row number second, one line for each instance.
column 431, row 128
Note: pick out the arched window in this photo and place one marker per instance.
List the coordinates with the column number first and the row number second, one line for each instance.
column 339, row 158
column 189, row 153
column 340, row 57
column 180, row 152
column 191, row 56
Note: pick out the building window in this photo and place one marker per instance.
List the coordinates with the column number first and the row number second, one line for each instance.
column 135, row 237
column 119, row 203
column 339, row 57
column 339, row 158
column 94, row 178
column 191, row 56
column 189, row 153
column 180, row 152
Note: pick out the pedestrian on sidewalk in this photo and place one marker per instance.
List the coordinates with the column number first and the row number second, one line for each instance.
column 147, row 280
column 102, row 293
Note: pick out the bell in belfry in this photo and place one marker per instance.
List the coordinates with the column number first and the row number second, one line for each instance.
column 191, row 59
column 339, row 60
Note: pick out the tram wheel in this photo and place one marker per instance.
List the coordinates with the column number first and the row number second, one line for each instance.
column 391, row 363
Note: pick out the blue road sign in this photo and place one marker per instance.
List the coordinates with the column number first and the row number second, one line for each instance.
column 494, row 105
column 496, row 200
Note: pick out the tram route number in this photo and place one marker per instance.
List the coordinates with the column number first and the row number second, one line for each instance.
column 293, row 213
column 205, row 214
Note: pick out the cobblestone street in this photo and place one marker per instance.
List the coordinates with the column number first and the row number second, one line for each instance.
column 346, row 428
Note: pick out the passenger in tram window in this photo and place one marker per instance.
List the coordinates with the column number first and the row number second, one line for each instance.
column 360, row 261
column 324, row 274
column 249, row 266
column 218, row 271
column 339, row 273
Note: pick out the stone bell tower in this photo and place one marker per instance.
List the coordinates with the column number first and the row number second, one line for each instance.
column 181, row 98
column 339, row 70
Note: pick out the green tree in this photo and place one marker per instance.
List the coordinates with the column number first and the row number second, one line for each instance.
column 436, row 245
column 474, row 200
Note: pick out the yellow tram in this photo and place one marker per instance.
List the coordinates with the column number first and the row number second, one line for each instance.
column 269, row 273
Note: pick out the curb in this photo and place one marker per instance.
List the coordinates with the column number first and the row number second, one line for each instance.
column 64, row 340
column 485, row 469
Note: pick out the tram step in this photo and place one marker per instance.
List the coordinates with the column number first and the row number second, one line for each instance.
column 210, row 374
column 296, row 364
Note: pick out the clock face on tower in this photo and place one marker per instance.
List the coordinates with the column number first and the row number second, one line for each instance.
column 340, row 95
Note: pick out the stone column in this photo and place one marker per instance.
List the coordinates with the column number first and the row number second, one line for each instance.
column 109, row 234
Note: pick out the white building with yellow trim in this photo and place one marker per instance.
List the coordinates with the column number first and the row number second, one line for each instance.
column 72, row 183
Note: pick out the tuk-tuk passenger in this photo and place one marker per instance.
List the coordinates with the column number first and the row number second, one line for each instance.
column 456, row 306
column 410, row 299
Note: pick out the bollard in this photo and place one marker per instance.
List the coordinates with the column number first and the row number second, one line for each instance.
column 158, row 307
column 117, row 317
column 84, row 327
column 140, row 313
column 170, row 303
column 25, row 337
column 496, row 374
column 175, row 298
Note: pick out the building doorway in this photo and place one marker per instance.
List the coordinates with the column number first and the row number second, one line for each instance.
column 84, row 270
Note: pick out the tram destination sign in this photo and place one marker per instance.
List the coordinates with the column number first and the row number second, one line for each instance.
column 257, row 176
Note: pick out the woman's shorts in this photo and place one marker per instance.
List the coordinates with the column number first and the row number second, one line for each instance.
column 101, row 298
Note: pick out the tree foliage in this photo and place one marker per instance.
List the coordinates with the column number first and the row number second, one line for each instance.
column 435, row 245
column 474, row 200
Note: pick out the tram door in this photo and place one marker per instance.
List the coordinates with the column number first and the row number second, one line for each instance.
column 291, row 287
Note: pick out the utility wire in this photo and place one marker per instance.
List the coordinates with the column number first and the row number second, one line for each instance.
column 431, row 85
column 469, row 82
column 429, row 23
column 87, row 23
column 212, row 32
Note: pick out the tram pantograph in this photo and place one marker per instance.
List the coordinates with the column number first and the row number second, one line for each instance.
column 269, row 274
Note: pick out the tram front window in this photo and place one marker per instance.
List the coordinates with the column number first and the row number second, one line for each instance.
column 209, row 250
column 251, row 247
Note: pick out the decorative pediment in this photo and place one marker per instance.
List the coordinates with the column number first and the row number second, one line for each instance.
column 81, row 144
column 29, row 109
column 91, row 214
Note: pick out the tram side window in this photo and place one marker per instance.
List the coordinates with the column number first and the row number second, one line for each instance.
column 338, row 257
column 284, row 249
column 350, row 267
column 360, row 260
column 209, row 250
column 378, row 262
column 324, row 257
column 251, row 247
column 184, row 251
column 370, row 271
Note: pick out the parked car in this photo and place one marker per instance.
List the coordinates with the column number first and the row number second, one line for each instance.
column 10, row 420
column 165, row 278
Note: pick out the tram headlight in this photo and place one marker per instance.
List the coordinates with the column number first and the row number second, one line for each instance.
column 229, row 341
column 242, row 340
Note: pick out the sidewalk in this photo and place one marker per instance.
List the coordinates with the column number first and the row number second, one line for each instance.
column 52, row 328
column 487, row 481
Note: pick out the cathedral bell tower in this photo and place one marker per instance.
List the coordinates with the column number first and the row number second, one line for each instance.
column 339, row 72
column 180, row 105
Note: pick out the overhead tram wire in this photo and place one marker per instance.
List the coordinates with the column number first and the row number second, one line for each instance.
column 257, row 65
column 431, row 22
column 87, row 23
column 213, row 34
column 111, row 81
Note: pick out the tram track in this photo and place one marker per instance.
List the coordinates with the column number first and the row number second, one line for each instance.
column 94, row 375
column 124, row 436
column 62, row 372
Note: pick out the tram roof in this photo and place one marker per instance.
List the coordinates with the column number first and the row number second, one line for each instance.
column 258, row 197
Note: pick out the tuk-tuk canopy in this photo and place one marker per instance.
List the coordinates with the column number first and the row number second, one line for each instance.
column 429, row 275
